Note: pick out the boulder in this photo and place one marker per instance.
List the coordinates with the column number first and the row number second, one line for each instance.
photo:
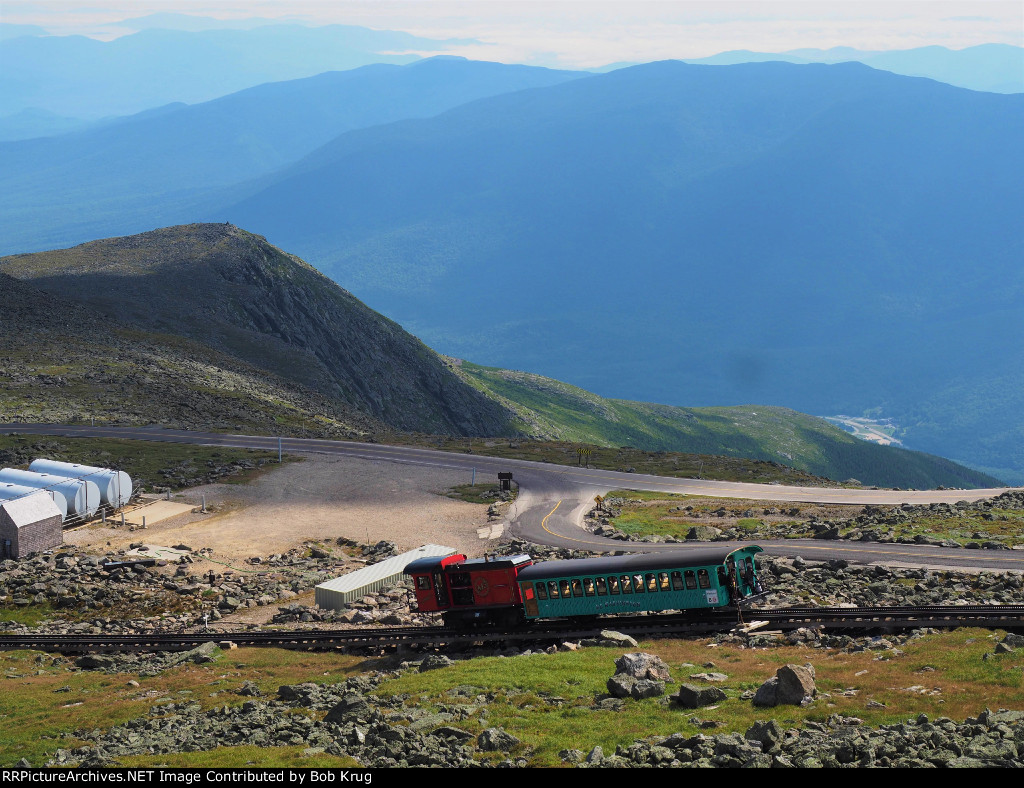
column 642, row 666
column 435, row 661
column 249, row 689
column 703, row 533
column 624, row 686
column 792, row 685
column 495, row 739
column 769, row 733
column 351, row 707
column 96, row 662
column 609, row 637
column 690, row 696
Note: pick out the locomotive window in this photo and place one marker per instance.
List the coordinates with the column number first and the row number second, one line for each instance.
column 566, row 591
column 577, row 588
column 542, row 592
column 626, row 583
column 703, row 578
column 423, row 583
column 459, row 579
column 638, row 583
column 588, row 586
column 602, row 586
column 691, row 580
column 677, row 581
column 663, row 581
column 613, row 584
column 553, row 589
column 652, row 583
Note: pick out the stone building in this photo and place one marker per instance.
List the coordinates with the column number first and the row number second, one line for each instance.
column 28, row 525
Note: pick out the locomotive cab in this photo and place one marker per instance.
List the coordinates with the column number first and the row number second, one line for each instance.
column 469, row 591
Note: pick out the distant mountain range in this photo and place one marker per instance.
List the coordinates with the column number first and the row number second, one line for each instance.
column 996, row 68
column 180, row 161
column 210, row 327
column 832, row 238
column 829, row 237
column 90, row 79
column 52, row 83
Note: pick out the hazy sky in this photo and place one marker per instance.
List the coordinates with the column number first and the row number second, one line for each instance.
column 585, row 32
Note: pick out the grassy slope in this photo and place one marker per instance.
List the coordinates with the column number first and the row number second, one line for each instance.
column 51, row 705
column 547, row 408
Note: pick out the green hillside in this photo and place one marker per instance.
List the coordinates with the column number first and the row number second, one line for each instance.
column 550, row 409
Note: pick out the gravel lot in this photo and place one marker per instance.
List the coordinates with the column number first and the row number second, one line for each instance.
column 320, row 498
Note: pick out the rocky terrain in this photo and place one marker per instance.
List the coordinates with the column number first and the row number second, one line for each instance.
column 79, row 592
column 61, row 361
column 720, row 522
column 380, row 732
column 350, row 719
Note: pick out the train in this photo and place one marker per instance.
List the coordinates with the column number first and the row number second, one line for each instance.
column 515, row 590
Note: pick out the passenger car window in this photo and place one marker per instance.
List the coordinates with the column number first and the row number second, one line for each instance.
column 663, row 581
column 652, row 583
column 613, row 585
column 577, row 588
column 602, row 586
column 638, row 584
column 626, row 583
column 691, row 580
column 588, row 586
column 542, row 592
column 553, row 589
column 566, row 591
column 677, row 581
column 703, row 578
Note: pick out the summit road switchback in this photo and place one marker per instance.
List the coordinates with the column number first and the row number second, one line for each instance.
column 553, row 498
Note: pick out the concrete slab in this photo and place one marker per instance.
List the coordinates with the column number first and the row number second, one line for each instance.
column 158, row 551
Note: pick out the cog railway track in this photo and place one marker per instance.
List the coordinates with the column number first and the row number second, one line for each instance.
column 834, row 618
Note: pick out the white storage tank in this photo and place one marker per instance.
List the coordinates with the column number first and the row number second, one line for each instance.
column 83, row 497
column 115, row 486
column 10, row 492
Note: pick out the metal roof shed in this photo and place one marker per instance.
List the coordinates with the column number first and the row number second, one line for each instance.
column 336, row 594
column 28, row 525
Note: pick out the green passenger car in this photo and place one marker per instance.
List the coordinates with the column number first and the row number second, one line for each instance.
column 707, row 577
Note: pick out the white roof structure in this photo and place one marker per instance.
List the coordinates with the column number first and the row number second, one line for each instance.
column 30, row 509
column 335, row 594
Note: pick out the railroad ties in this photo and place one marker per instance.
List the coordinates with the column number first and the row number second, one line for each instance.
column 862, row 619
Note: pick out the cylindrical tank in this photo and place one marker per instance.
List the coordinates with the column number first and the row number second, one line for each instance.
column 115, row 486
column 83, row 496
column 8, row 492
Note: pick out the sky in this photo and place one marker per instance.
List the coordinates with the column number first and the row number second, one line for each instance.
column 585, row 33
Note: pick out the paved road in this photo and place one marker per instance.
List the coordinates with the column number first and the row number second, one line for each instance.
column 553, row 498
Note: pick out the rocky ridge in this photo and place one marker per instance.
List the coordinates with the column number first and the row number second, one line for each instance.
column 230, row 291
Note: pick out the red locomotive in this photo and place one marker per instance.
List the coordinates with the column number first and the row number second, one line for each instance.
column 469, row 590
